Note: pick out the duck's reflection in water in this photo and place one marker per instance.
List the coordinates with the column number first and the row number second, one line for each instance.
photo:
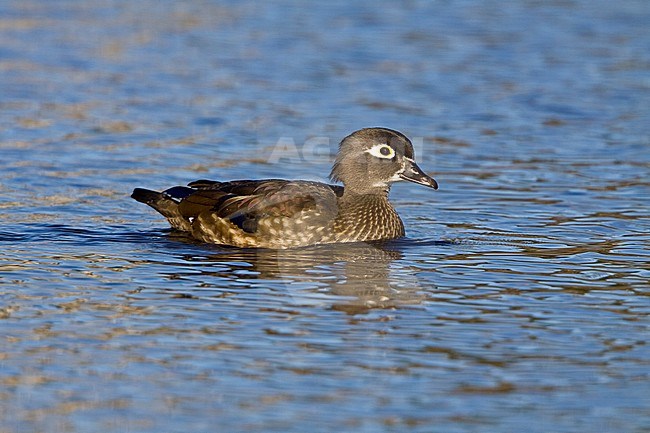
column 354, row 277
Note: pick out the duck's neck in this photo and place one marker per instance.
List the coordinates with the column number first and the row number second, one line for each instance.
column 370, row 191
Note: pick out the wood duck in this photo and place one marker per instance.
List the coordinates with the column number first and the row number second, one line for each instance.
column 279, row 214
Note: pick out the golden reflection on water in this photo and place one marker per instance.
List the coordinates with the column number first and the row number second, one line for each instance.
column 358, row 275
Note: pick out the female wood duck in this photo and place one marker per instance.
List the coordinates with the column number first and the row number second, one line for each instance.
column 278, row 214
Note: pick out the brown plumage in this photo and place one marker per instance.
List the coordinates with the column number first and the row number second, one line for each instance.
column 278, row 213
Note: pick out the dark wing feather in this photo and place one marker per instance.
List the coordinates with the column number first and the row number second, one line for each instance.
column 245, row 202
column 201, row 201
column 205, row 184
column 178, row 193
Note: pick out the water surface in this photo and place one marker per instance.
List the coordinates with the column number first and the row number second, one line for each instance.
column 518, row 301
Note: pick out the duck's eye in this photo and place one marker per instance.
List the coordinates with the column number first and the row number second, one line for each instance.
column 382, row 151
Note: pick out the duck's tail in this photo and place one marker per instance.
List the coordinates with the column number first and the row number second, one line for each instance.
column 166, row 203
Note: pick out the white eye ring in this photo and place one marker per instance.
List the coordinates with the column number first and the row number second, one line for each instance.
column 379, row 150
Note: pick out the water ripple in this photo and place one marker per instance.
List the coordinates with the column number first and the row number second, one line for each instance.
column 519, row 294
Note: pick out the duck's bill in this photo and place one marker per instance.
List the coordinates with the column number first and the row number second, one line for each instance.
column 413, row 173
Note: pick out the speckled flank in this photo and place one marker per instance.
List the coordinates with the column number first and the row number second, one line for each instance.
column 273, row 232
column 369, row 217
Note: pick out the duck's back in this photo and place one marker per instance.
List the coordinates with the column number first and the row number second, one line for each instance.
column 272, row 213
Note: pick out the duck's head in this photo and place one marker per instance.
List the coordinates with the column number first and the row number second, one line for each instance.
column 371, row 159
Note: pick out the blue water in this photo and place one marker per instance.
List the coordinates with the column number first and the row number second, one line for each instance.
column 518, row 300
